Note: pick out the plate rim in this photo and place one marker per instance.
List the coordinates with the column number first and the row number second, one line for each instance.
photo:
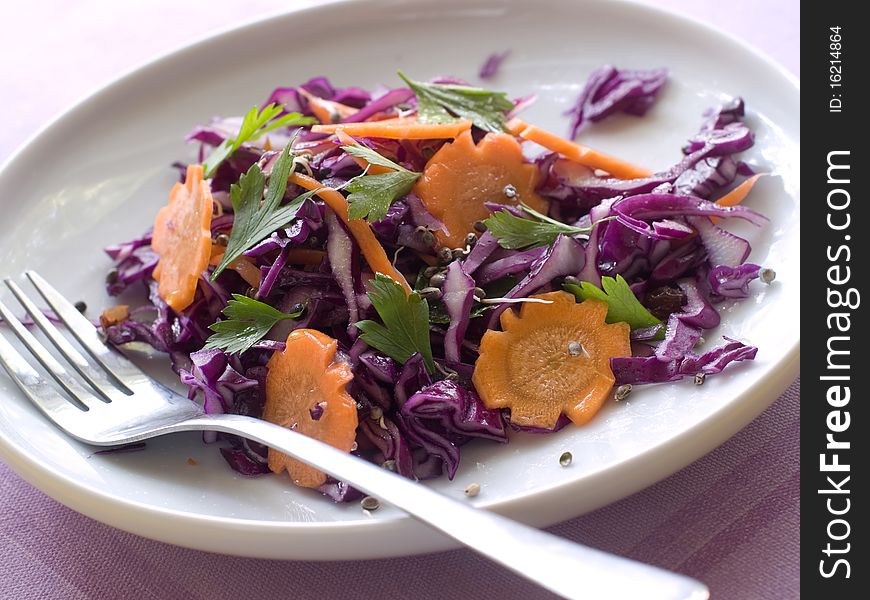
column 726, row 421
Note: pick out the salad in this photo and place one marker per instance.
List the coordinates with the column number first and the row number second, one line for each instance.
column 398, row 272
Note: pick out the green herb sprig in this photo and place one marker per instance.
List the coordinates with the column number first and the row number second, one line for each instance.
column 516, row 233
column 372, row 195
column 256, row 123
column 405, row 317
column 442, row 103
column 247, row 322
column 622, row 304
column 256, row 218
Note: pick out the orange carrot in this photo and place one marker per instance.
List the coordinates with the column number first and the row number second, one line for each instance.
column 550, row 359
column 736, row 196
column 242, row 265
column 114, row 315
column 305, row 256
column 305, row 391
column 401, row 128
column 369, row 245
column 327, row 111
column 461, row 177
column 576, row 152
column 182, row 239
column 347, row 140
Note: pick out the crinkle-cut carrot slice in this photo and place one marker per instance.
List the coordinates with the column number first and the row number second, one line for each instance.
column 327, row 111
column 305, row 392
column 182, row 238
column 550, row 359
column 577, row 152
column 400, row 128
column 461, row 177
column 369, row 245
column 347, row 140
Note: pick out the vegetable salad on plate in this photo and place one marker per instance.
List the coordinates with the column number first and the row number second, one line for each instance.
column 396, row 272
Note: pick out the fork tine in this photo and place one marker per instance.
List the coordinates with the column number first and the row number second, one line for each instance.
column 113, row 363
column 94, row 377
column 77, row 392
column 41, row 393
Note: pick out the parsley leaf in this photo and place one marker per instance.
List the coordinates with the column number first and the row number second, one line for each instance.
column 371, row 195
column 622, row 304
column 256, row 218
column 516, row 232
column 255, row 124
column 438, row 103
column 438, row 314
column 406, row 322
column 247, row 321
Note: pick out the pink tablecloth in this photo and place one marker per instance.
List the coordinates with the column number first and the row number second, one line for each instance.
column 730, row 519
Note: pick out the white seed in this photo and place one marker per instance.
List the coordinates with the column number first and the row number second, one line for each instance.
column 472, row 490
column 566, row 459
column 623, row 391
column 370, row 503
column 575, row 348
column 510, row 191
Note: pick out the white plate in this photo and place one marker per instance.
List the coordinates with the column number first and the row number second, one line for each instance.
column 97, row 175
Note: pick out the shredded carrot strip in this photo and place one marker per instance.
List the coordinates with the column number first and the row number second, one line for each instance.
column 369, row 245
column 347, row 140
column 402, row 128
column 242, row 265
column 736, row 196
column 305, row 256
column 327, row 110
column 577, row 152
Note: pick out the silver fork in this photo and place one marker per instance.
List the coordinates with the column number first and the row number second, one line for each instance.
column 105, row 400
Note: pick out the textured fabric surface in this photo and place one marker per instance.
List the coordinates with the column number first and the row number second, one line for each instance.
column 730, row 519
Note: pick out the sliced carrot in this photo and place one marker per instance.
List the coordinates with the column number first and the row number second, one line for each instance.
column 737, row 195
column 400, row 128
column 327, row 111
column 182, row 238
column 243, row 265
column 114, row 315
column 369, row 245
column 534, row 368
column 305, row 256
column 247, row 269
column 428, row 259
column 347, row 140
column 305, row 392
column 461, row 177
column 576, row 152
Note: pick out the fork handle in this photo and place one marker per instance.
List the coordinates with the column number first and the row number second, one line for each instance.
column 563, row 567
